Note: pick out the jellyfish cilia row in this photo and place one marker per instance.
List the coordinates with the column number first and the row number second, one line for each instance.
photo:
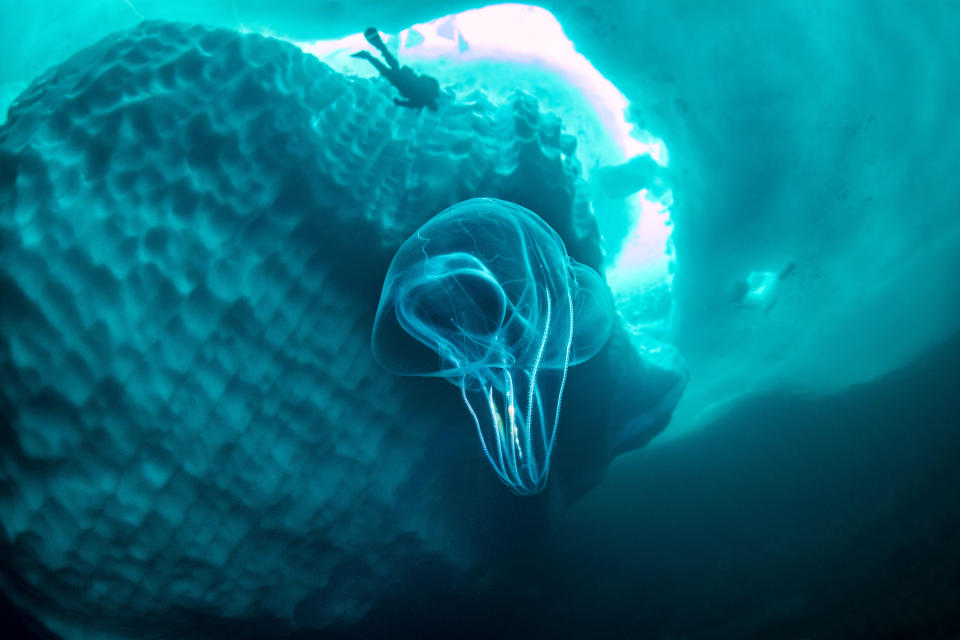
column 485, row 295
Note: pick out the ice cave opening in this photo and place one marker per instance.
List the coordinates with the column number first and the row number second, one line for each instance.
column 503, row 48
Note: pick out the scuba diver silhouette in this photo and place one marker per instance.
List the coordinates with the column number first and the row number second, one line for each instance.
column 419, row 90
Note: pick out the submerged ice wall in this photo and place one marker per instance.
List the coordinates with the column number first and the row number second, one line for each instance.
column 824, row 139
column 195, row 226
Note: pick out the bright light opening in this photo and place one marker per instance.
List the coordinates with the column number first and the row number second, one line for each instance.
column 502, row 48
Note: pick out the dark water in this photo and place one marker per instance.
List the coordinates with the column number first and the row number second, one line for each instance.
column 791, row 517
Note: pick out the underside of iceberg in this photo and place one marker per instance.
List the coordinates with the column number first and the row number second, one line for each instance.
column 196, row 227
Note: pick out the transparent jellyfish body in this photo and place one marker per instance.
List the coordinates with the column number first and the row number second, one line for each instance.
column 485, row 295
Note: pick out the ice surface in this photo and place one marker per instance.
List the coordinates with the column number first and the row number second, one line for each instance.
column 794, row 135
column 823, row 138
column 195, row 227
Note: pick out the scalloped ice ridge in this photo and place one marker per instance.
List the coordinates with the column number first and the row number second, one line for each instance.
column 194, row 231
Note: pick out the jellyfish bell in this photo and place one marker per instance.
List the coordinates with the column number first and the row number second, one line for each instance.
column 452, row 301
column 485, row 295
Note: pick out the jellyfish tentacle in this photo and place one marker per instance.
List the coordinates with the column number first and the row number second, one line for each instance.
column 563, row 383
column 500, row 424
column 476, row 421
column 536, row 364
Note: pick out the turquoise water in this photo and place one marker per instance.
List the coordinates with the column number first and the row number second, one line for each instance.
column 199, row 204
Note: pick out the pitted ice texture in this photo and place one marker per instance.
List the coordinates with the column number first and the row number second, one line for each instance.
column 194, row 225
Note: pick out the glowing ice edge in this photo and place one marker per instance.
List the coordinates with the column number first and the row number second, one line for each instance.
column 469, row 50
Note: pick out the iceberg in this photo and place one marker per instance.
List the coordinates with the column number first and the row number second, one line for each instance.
column 196, row 226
